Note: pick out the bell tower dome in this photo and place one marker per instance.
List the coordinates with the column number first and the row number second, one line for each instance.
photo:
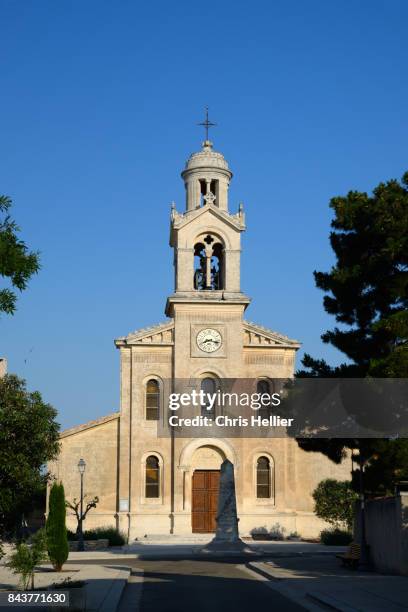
column 206, row 179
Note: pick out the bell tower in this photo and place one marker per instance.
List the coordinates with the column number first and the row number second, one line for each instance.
column 207, row 304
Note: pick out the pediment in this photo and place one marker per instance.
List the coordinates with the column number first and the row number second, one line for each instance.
column 84, row 426
column 179, row 220
column 258, row 335
column 161, row 334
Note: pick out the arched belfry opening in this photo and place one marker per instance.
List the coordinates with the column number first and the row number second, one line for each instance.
column 199, row 266
column 209, row 192
column 209, row 264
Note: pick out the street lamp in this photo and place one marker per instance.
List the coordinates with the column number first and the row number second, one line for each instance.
column 364, row 554
column 81, row 470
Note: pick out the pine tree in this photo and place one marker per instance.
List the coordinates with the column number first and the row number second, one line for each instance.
column 57, row 541
column 367, row 289
column 367, row 292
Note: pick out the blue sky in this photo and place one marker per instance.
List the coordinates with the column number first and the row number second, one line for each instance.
column 99, row 105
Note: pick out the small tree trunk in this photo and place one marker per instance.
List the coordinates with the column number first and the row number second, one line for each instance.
column 32, row 581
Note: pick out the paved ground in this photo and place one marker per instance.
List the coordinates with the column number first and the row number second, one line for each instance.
column 181, row 585
column 178, row 582
column 321, row 581
column 283, row 576
column 104, row 583
column 175, row 577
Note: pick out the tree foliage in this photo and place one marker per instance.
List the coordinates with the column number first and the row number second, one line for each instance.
column 57, row 540
column 367, row 289
column 17, row 263
column 334, row 502
column 367, row 293
column 28, row 439
column 388, row 465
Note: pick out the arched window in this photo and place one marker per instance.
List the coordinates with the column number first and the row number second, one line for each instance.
column 263, row 387
column 152, row 400
column 152, row 477
column 209, row 388
column 263, row 478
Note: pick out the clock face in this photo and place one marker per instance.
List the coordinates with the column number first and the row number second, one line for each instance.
column 209, row 340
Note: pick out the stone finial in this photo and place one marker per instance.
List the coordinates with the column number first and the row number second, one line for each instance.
column 207, row 145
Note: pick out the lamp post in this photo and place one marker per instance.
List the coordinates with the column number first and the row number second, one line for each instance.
column 81, row 470
column 364, row 558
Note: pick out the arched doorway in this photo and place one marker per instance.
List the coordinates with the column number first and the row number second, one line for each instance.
column 206, row 463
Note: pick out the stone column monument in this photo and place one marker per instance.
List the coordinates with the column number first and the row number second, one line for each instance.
column 227, row 536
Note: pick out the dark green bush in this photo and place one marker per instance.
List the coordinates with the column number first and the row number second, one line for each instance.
column 115, row 537
column 56, row 531
column 336, row 537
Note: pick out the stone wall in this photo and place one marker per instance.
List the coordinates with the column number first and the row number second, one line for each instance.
column 100, row 544
column 387, row 533
column 97, row 443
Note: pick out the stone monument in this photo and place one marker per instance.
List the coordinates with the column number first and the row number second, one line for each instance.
column 227, row 535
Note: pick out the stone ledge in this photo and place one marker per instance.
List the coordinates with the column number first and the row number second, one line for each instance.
column 100, row 544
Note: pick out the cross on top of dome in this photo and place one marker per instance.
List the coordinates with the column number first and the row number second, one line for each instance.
column 207, row 124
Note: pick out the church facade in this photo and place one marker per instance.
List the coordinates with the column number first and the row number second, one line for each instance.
column 149, row 484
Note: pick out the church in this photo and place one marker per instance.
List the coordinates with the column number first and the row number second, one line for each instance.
column 150, row 484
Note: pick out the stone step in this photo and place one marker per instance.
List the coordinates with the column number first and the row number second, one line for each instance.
column 174, row 539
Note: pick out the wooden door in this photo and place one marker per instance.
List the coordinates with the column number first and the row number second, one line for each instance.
column 205, row 500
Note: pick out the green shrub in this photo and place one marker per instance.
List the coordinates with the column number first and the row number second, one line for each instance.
column 57, row 541
column 114, row 536
column 26, row 557
column 71, row 535
column 67, row 583
column 336, row 537
column 334, row 502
